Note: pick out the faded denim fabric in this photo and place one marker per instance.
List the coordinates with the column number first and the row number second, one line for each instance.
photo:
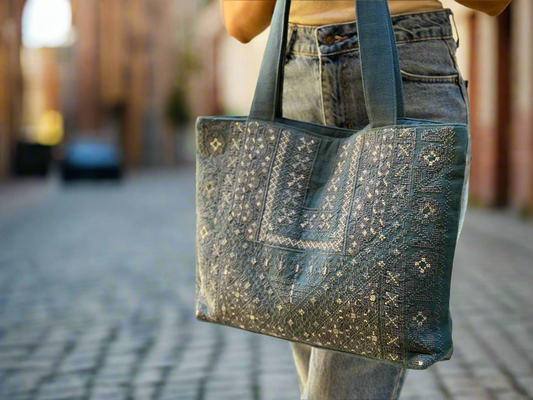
column 323, row 85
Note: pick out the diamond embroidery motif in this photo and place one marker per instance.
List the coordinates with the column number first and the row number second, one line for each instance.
column 419, row 318
column 431, row 157
column 428, row 209
column 422, row 265
column 215, row 144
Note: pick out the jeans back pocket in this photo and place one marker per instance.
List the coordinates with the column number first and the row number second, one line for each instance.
column 431, row 80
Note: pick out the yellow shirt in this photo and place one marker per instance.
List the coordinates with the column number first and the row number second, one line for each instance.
column 313, row 12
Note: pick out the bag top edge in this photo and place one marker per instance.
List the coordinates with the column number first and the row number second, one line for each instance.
column 314, row 128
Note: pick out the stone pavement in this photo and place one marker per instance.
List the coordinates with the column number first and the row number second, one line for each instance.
column 97, row 302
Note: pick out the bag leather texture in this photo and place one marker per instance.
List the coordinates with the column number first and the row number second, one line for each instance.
column 340, row 239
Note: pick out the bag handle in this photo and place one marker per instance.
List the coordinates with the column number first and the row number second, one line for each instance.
column 380, row 66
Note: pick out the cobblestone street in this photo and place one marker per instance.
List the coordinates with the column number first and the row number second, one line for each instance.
column 97, row 302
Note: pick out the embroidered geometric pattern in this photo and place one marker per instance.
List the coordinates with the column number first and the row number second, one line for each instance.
column 333, row 242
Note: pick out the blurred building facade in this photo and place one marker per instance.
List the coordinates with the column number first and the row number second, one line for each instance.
column 126, row 55
column 10, row 80
column 116, row 75
column 501, row 93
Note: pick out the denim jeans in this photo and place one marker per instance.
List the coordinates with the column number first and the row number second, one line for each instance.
column 323, row 85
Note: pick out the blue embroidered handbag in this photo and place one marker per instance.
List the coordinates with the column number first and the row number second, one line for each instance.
column 339, row 239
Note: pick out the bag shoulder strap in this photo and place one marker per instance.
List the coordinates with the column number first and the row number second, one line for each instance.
column 380, row 66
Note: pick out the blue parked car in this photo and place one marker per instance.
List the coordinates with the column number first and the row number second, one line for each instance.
column 91, row 158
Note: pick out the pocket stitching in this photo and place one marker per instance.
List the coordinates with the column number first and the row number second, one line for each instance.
column 454, row 78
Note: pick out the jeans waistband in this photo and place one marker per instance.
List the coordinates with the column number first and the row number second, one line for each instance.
column 328, row 39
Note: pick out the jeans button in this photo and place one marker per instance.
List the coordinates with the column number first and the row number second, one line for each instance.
column 329, row 39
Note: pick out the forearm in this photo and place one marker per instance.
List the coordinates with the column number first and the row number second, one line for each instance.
column 490, row 7
column 245, row 19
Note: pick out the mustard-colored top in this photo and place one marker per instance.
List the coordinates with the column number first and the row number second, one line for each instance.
column 325, row 12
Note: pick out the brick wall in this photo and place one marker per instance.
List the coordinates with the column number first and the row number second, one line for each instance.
column 127, row 54
column 10, row 80
column 521, row 139
column 501, row 94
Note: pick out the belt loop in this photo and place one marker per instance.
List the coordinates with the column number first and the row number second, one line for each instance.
column 456, row 31
column 317, row 42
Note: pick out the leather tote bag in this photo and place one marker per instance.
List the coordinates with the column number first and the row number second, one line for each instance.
column 339, row 239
